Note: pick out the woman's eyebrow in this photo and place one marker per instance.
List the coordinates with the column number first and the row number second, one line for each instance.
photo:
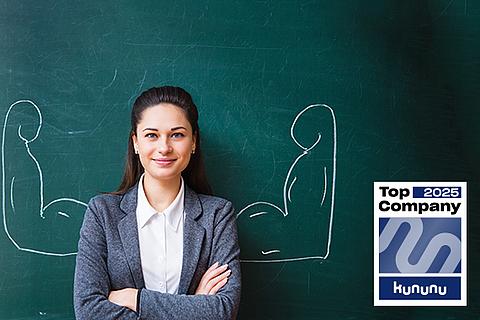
column 177, row 128
column 172, row 129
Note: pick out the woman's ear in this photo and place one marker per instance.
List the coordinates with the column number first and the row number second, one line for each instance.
column 135, row 143
column 194, row 144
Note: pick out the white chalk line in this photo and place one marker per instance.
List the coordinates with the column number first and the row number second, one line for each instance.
column 285, row 259
column 285, row 204
column 40, row 173
column 63, row 214
column 65, row 199
column 111, row 82
column 12, row 203
column 287, row 188
column 257, row 214
column 256, row 203
column 270, row 252
column 40, row 180
column 139, row 89
column 324, row 185
column 334, row 176
column 290, row 189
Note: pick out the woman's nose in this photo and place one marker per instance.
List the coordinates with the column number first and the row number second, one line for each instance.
column 164, row 146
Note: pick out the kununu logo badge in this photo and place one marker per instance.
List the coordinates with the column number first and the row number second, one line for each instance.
column 420, row 243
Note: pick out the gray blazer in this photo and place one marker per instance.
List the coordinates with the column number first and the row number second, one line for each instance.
column 109, row 259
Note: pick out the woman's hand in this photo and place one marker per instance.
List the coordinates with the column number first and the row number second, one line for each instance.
column 126, row 298
column 213, row 279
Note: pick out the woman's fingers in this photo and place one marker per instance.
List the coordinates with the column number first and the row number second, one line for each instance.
column 214, row 271
column 212, row 278
column 214, row 281
column 212, row 267
column 218, row 282
column 211, row 274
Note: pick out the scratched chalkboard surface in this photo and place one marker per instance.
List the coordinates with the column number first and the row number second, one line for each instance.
column 303, row 105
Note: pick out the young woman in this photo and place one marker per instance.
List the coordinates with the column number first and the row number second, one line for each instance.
column 160, row 247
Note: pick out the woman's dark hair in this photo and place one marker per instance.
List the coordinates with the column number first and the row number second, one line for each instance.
column 194, row 174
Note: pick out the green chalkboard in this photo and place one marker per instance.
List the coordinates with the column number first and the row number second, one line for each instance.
column 303, row 105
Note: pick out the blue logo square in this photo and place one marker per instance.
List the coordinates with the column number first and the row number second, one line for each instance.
column 420, row 245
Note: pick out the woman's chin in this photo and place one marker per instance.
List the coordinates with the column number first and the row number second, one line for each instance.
column 163, row 175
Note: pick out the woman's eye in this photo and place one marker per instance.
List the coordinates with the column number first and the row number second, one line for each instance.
column 150, row 135
column 177, row 135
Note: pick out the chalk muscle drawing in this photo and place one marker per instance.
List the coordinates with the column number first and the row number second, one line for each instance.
column 272, row 232
column 26, row 203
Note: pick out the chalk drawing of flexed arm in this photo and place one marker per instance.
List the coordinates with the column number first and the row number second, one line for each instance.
column 30, row 223
column 299, row 227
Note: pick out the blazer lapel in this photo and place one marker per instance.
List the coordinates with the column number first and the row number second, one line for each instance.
column 128, row 230
column 193, row 237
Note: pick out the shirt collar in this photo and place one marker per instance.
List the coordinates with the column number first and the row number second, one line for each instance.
column 173, row 213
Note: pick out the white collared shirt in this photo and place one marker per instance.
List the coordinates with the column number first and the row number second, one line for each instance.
column 161, row 241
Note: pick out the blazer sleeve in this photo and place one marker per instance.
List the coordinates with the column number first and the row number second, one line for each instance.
column 222, row 305
column 92, row 283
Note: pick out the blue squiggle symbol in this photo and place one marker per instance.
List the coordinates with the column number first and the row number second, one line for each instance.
column 413, row 239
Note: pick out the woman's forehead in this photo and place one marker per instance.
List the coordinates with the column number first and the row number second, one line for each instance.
column 164, row 116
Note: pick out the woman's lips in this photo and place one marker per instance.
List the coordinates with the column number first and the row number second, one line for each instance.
column 164, row 162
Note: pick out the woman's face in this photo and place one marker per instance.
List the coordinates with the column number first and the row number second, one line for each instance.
column 164, row 141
